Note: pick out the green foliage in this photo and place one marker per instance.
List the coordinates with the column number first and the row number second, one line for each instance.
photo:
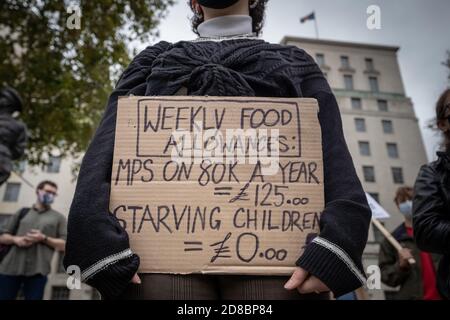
column 66, row 75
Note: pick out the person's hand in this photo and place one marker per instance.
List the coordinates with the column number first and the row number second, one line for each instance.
column 35, row 236
column 305, row 282
column 136, row 279
column 22, row 242
column 403, row 256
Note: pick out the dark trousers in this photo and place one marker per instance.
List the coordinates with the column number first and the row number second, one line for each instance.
column 32, row 287
column 214, row 287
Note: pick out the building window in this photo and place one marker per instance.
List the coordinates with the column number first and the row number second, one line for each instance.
column 348, row 82
column 387, row 126
column 320, row 59
column 364, row 148
column 397, row 175
column 11, row 192
column 345, row 62
column 392, row 150
column 369, row 173
column 60, row 293
column 373, row 82
column 356, row 104
column 369, row 64
column 382, row 105
column 54, row 165
column 360, row 125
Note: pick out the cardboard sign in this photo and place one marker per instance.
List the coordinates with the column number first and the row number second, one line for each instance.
column 218, row 184
column 378, row 212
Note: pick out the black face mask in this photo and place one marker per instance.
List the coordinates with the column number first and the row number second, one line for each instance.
column 217, row 4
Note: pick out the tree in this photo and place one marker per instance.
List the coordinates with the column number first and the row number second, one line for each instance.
column 65, row 74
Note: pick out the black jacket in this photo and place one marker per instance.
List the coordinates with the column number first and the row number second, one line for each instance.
column 409, row 279
column 431, row 215
column 239, row 67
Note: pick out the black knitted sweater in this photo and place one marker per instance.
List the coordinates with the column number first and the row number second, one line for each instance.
column 237, row 67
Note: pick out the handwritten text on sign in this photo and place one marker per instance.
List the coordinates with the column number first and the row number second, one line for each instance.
column 218, row 185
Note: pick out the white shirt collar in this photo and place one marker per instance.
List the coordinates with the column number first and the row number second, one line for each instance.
column 226, row 26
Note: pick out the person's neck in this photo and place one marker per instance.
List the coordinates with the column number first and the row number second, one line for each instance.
column 40, row 207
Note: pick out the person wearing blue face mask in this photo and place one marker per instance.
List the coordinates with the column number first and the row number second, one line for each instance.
column 416, row 281
column 28, row 242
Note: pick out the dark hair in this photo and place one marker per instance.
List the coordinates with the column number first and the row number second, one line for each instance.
column 441, row 108
column 403, row 194
column 257, row 14
column 42, row 184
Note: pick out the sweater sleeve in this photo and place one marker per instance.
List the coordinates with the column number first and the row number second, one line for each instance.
column 96, row 242
column 335, row 256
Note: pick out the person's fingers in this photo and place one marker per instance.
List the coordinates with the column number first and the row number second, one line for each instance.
column 136, row 279
column 297, row 278
column 25, row 243
column 313, row 284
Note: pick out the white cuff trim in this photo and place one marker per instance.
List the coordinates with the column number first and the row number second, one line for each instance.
column 342, row 255
column 104, row 263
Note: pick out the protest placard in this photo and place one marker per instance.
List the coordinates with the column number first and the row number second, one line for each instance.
column 218, row 184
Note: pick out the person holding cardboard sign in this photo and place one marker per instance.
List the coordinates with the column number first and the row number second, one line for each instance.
column 227, row 59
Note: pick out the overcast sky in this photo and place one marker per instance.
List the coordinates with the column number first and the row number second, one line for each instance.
column 421, row 28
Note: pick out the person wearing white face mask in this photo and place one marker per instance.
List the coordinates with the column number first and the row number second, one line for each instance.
column 406, row 209
column 416, row 281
